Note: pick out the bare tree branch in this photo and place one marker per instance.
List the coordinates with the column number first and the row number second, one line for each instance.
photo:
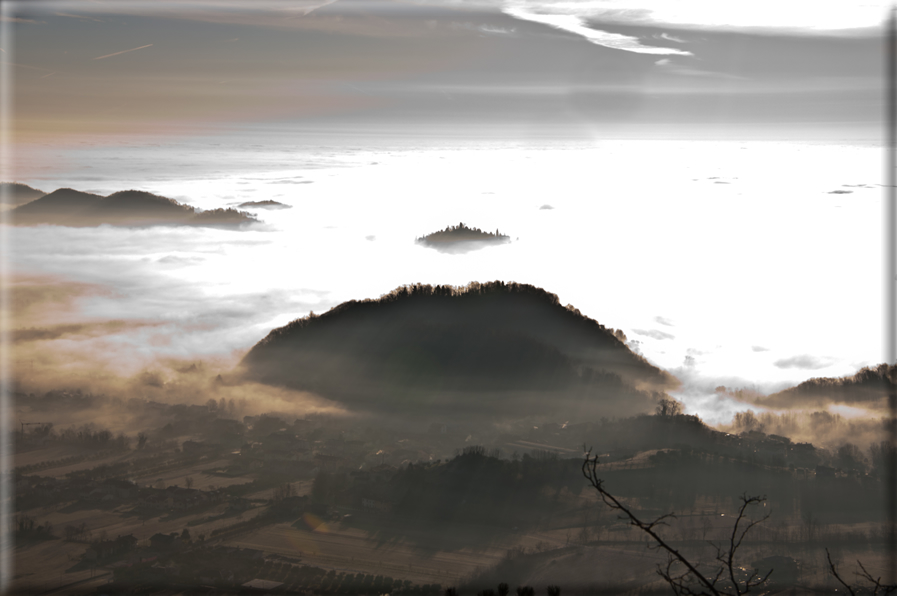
column 685, row 583
column 834, row 571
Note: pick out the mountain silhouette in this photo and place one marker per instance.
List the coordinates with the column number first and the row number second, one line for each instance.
column 460, row 238
column 15, row 193
column 68, row 207
column 499, row 348
column 868, row 385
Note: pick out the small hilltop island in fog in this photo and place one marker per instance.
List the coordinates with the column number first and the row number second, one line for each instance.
column 461, row 238
column 69, row 207
column 269, row 204
column 495, row 350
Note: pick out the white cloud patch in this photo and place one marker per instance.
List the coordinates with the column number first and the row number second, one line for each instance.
column 804, row 361
column 795, row 16
column 654, row 333
column 664, row 321
column 576, row 25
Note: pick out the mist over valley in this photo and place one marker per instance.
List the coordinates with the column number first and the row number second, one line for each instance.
column 244, row 353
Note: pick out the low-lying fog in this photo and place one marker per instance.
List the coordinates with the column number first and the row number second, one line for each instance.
column 726, row 263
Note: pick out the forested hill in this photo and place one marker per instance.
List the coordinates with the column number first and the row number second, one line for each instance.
column 486, row 347
column 69, row 207
column 15, row 193
column 462, row 238
column 868, row 385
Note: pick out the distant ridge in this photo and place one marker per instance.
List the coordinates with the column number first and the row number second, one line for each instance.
column 69, row 207
column 15, row 193
column 461, row 238
column 494, row 348
column 267, row 204
column 868, row 385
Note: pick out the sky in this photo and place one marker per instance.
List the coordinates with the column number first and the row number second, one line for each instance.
column 704, row 176
column 83, row 69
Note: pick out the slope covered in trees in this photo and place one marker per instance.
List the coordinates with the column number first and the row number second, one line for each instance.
column 68, row 207
column 15, row 193
column 485, row 348
column 869, row 386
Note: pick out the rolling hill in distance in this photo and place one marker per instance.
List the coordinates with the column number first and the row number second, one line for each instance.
column 494, row 349
column 69, row 207
column 868, row 386
column 14, row 193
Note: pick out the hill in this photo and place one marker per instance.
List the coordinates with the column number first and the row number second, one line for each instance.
column 68, row 207
column 14, row 193
column 460, row 238
column 867, row 386
column 268, row 204
column 495, row 348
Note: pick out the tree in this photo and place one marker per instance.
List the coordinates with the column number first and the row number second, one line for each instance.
column 141, row 440
column 668, row 407
column 188, row 481
column 70, row 533
column 284, row 491
column 683, row 576
column 875, row 586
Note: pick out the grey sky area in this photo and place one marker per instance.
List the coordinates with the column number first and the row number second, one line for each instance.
column 94, row 68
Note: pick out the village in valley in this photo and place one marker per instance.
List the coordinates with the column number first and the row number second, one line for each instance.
column 213, row 501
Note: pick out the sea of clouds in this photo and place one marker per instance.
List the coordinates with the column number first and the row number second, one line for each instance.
column 744, row 264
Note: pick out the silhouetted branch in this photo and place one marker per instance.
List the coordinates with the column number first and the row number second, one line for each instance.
column 690, row 581
column 876, row 586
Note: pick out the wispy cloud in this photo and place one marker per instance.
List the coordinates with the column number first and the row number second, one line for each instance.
column 804, row 361
column 654, row 333
column 664, row 321
column 576, row 25
column 122, row 52
column 6, row 19
column 669, row 37
column 759, row 349
column 75, row 16
column 795, row 16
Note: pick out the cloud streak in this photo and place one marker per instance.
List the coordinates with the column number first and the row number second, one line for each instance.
column 654, row 333
column 122, row 52
column 804, row 361
column 576, row 25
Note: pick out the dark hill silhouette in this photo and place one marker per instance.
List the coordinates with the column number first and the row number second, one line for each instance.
column 70, row 207
column 460, row 238
column 56, row 207
column 868, row 385
column 15, row 193
column 491, row 348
